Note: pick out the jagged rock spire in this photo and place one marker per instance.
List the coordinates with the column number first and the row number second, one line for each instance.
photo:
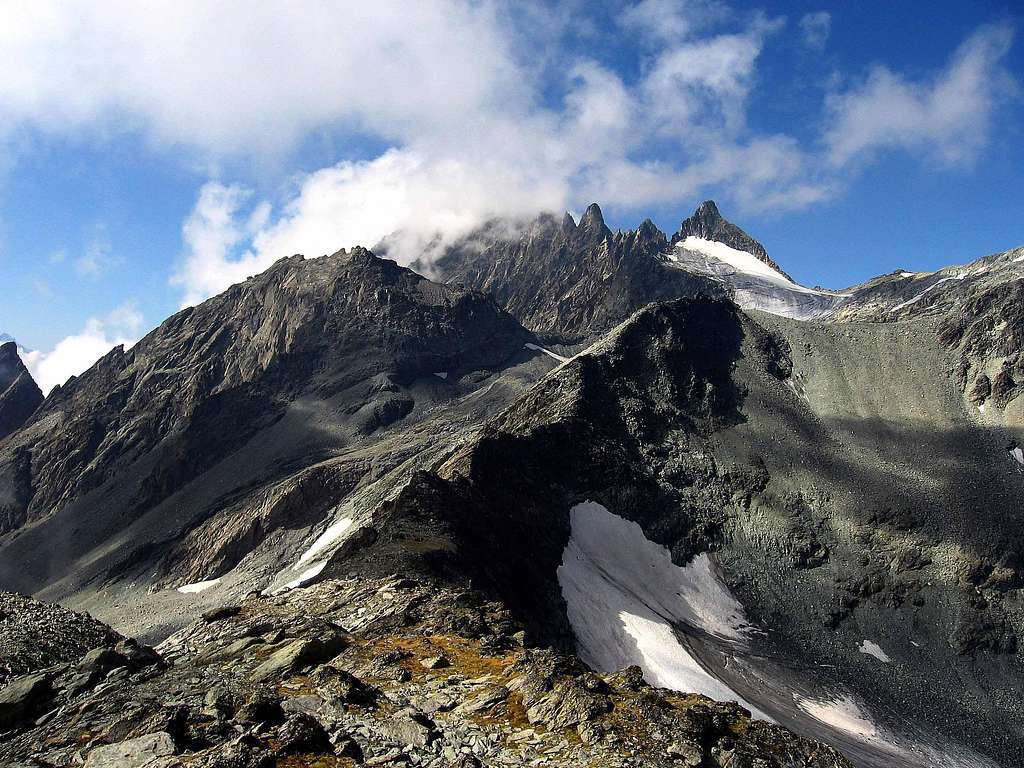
column 708, row 224
column 592, row 222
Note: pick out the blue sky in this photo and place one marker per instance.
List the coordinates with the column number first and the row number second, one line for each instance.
column 150, row 157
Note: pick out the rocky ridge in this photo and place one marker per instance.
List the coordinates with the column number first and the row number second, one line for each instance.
column 567, row 280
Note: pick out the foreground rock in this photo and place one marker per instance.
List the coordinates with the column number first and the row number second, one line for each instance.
column 355, row 681
column 36, row 635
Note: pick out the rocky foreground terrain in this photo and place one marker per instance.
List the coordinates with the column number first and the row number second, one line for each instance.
column 364, row 672
column 364, row 516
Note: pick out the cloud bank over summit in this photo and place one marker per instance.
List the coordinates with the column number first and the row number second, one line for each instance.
column 444, row 113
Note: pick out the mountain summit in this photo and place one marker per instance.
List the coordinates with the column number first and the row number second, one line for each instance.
column 708, row 224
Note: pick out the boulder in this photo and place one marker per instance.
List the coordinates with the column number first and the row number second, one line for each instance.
column 23, row 698
column 299, row 653
column 154, row 750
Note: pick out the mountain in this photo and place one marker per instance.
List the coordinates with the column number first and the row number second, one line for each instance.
column 537, row 509
column 19, row 394
column 707, row 224
column 244, row 419
column 569, row 280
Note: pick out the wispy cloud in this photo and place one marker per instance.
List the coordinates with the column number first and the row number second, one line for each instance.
column 946, row 117
column 815, row 28
column 76, row 353
column 97, row 258
column 671, row 20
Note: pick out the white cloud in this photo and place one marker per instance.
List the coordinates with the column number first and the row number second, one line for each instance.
column 702, row 86
column 947, row 118
column 96, row 260
column 237, row 76
column 483, row 113
column 671, row 20
column 815, row 28
column 75, row 354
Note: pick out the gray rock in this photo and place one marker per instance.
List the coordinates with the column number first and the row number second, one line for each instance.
column 22, row 698
column 298, row 653
column 154, row 750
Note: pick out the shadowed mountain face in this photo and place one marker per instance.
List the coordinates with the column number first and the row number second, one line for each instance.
column 852, row 487
column 846, row 494
column 19, row 394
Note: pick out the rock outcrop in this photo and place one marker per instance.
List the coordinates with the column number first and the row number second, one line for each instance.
column 20, row 396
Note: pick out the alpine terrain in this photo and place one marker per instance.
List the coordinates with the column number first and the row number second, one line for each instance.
column 570, row 497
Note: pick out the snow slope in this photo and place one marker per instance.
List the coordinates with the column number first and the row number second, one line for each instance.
column 628, row 603
column 755, row 284
column 625, row 598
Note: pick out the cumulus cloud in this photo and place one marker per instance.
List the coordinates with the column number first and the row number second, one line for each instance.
column 660, row 20
column 76, row 353
column 481, row 109
column 513, row 162
column 947, row 117
column 240, row 76
column 815, row 28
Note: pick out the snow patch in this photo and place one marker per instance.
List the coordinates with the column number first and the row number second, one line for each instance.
column 306, row 575
column 1018, row 454
column 873, row 649
column 442, row 374
column 921, row 295
column 908, row 274
column 325, row 539
column 628, row 603
column 841, row 713
column 741, row 261
column 981, row 408
column 1019, row 258
column 547, row 352
column 199, row 586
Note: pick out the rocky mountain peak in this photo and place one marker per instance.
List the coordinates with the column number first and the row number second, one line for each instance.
column 592, row 222
column 709, row 224
column 19, row 394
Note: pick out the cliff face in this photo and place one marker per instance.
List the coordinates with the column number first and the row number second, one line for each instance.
column 19, row 394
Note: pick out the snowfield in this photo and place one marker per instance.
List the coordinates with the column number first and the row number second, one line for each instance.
column 843, row 714
column 625, row 598
column 310, row 573
column 547, row 352
column 922, row 294
column 328, row 537
column 755, row 284
column 873, row 649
